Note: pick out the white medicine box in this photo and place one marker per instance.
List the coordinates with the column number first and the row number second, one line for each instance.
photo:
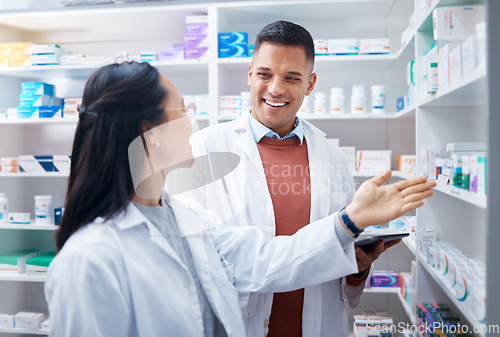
column 28, row 320
column 456, row 23
column 373, row 161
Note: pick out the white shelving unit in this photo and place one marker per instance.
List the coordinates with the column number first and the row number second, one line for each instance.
column 457, row 113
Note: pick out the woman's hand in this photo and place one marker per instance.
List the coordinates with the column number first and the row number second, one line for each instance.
column 376, row 204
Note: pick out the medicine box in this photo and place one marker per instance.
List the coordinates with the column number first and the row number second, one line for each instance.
column 227, row 51
column 456, row 23
column 175, row 53
column 37, row 88
column 373, row 46
column 195, row 53
column 25, row 112
column 469, row 55
column 455, row 62
column 444, row 65
column 19, row 218
column 342, row 46
column 29, row 100
column 45, row 59
column 40, row 49
column 58, row 212
column 28, row 163
column 191, row 39
column 233, row 38
column 40, row 263
column 28, row 320
column 197, row 24
column 62, row 163
column 19, row 60
column 373, row 161
column 6, row 321
column 14, row 262
column 388, row 279
column 320, row 47
column 407, row 164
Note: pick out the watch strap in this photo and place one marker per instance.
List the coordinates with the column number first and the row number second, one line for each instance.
column 349, row 224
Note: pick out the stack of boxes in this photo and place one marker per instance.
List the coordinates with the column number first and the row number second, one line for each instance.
column 233, row 44
column 37, row 100
column 45, row 54
column 373, row 323
column 461, row 34
column 195, row 39
column 16, row 54
column 8, row 164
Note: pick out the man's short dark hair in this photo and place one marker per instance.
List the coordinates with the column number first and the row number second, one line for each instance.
column 288, row 34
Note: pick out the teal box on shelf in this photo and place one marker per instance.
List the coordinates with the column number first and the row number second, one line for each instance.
column 232, row 38
column 227, row 51
column 30, row 100
column 24, row 112
column 52, row 111
column 37, row 88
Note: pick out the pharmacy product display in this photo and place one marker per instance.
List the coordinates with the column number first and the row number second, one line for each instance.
column 430, row 116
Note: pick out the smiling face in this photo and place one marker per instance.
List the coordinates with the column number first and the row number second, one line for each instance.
column 279, row 77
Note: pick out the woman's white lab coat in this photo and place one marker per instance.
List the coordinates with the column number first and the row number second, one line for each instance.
column 248, row 202
column 121, row 277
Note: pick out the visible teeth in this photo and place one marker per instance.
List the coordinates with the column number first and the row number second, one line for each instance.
column 275, row 104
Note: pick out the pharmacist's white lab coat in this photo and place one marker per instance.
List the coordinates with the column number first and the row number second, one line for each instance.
column 122, row 278
column 248, row 202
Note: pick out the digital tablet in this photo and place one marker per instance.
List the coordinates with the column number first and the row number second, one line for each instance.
column 372, row 239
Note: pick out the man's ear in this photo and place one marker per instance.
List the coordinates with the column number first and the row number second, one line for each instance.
column 311, row 83
column 249, row 74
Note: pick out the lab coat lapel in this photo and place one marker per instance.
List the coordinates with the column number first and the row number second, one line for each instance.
column 319, row 159
column 247, row 143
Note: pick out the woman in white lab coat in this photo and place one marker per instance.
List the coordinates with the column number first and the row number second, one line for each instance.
column 135, row 262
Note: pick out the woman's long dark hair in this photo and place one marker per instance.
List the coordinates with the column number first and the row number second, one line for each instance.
column 116, row 100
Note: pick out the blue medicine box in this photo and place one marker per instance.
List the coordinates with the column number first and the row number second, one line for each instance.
column 400, row 103
column 52, row 111
column 231, row 38
column 228, row 51
column 28, row 112
column 37, row 88
column 34, row 100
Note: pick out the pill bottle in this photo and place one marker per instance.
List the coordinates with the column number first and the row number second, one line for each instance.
column 43, row 209
column 246, row 100
column 358, row 99
column 378, row 99
column 337, row 100
column 320, row 103
column 305, row 107
column 4, row 208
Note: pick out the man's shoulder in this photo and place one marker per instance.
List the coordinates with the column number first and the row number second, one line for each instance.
column 219, row 134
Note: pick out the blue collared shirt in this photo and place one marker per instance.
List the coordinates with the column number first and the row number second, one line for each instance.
column 260, row 130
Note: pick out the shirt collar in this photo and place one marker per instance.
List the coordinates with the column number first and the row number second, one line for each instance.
column 260, row 130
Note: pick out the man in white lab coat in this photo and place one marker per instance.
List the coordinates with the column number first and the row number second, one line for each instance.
column 289, row 175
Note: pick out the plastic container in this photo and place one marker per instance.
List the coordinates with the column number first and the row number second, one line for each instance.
column 246, row 100
column 4, row 208
column 43, row 209
column 337, row 100
column 305, row 107
column 358, row 99
column 320, row 103
column 378, row 99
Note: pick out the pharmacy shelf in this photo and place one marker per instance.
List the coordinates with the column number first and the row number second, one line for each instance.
column 350, row 116
column 425, row 21
column 24, row 331
column 406, row 307
column 382, row 290
column 84, row 71
column 411, row 245
column 469, row 197
column 37, row 121
column 23, row 278
column 32, row 226
column 405, row 54
column 323, row 63
column 469, row 91
column 395, row 174
column 451, row 295
column 35, row 175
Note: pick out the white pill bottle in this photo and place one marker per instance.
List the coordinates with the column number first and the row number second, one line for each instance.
column 43, row 209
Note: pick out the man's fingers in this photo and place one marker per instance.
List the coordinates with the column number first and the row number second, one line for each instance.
column 381, row 178
column 410, row 206
column 420, row 187
column 418, row 196
column 404, row 184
